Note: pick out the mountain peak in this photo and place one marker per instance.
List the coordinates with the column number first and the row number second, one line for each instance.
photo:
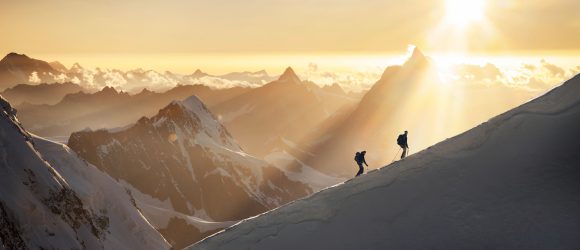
column 289, row 75
column 13, row 56
column 417, row 57
column 198, row 74
column 76, row 66
column 109, row 90
column 192, row 103
column 58, row 66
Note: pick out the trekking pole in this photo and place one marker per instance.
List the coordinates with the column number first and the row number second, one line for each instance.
column 396, row 155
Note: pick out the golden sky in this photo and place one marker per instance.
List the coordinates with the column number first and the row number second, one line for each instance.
column 281, row 26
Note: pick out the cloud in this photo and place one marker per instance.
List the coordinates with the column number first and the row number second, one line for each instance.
column 75, row 80
column 217, row 82
column 33, row 78
column 488, row 73
column 159, row 79
column 553, row 69
column 528, row 76
column 61, row 78
column 348, row 80
column 113, row 79
column 312, row 67
column 88, row 77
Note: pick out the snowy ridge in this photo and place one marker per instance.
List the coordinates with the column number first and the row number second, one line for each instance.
column 160, row 212
column 101, row 193
column 210, row 126
column 307, row 175
column 182, row 166
column 61, row 202
column 510, row 183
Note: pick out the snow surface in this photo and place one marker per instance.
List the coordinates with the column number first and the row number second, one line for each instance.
column 510, row 183
column 211, row 127
column 159, row 213
column 315, row 179
column 127, row 227
column 51, row 199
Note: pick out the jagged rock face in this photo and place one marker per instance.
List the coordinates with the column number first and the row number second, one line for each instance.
column 39, row 208
column 184, row 155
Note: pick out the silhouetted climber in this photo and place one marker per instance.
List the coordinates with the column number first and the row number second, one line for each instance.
column 359, row 157
column 402, row 142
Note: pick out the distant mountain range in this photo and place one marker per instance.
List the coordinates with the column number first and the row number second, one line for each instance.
column 20, row 69
column 285, row 109
column 44, row 93
column 110, row 108
column 184, row 162
column 509, row 183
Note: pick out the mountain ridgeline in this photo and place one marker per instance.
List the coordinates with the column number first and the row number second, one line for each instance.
column 51, row 199
column 171, row 164
column 183, row 155
column 511, row 182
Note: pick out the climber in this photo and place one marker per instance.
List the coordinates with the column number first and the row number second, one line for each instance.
column 402, row 142
column 360, row 160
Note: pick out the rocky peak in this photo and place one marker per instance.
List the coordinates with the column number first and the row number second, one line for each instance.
column 14, row 55
column 289, row 75
column 198, row 74
column 417, row 59
column 109, row 90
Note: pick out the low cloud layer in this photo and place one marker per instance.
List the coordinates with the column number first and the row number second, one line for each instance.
column 530, row 76
column 537, row 76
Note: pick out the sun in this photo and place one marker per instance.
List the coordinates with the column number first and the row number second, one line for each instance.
column 464, row 12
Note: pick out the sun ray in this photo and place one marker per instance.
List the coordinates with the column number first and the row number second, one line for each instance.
column 462, row 13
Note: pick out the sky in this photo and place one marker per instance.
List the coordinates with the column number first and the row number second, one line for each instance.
column 225, row 35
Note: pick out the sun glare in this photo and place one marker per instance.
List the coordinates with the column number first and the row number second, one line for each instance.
column 464, row 12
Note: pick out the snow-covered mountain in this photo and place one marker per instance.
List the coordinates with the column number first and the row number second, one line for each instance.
column 51, row 199
column 188, row 175
column 509, row 183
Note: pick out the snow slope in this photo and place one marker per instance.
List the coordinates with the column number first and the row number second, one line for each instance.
column 100, row 192
column 51, row 199
column 186, row 172
column 509, row 183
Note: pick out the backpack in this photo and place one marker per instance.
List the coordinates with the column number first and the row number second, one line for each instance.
column 400, row 140
column 357, row 157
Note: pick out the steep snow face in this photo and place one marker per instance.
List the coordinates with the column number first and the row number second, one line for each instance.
column 97, row 190
column 184, row 162
column 51, row 199
column 510, row 183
